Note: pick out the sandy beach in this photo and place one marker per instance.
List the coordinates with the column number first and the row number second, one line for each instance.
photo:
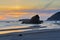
column 53, row 34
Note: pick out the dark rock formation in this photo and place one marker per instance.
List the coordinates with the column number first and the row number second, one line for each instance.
column 25, row 21
column 20, row 35
column 33, row 20
column 55, row 17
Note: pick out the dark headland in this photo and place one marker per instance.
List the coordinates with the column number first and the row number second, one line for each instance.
column 55, row 17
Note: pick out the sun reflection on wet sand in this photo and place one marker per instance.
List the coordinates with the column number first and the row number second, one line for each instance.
column 6, row 32
column 13, row 27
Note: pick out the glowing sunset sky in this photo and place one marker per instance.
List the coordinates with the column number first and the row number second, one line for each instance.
column 9, row 9
column 28, row 4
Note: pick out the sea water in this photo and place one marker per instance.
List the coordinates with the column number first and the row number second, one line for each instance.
column 16, row 26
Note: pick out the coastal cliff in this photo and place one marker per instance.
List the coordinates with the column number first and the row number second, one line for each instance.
column 55, row 17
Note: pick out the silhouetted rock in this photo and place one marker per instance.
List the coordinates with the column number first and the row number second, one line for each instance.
column 20, row 35
column 55, row 17
column 25, row 21
column 33, row 20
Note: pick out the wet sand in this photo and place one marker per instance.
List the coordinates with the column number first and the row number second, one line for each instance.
column 53, row 34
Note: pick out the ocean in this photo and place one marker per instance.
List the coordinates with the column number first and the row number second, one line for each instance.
column 16, row 26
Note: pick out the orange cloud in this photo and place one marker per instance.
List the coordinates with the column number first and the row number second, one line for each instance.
column 2, row 18
column 18, row 15
column 15, row 14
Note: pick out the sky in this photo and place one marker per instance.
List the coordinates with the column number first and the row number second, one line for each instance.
column 17, row 9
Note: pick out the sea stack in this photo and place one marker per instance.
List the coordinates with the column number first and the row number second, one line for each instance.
column 34, row 20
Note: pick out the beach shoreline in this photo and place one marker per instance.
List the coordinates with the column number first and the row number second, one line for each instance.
column 45, row 35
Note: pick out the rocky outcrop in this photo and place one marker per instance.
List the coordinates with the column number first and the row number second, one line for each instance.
column 33, row 20
column 55, row 17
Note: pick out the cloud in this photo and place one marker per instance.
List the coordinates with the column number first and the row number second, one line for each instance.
column 29, row 4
